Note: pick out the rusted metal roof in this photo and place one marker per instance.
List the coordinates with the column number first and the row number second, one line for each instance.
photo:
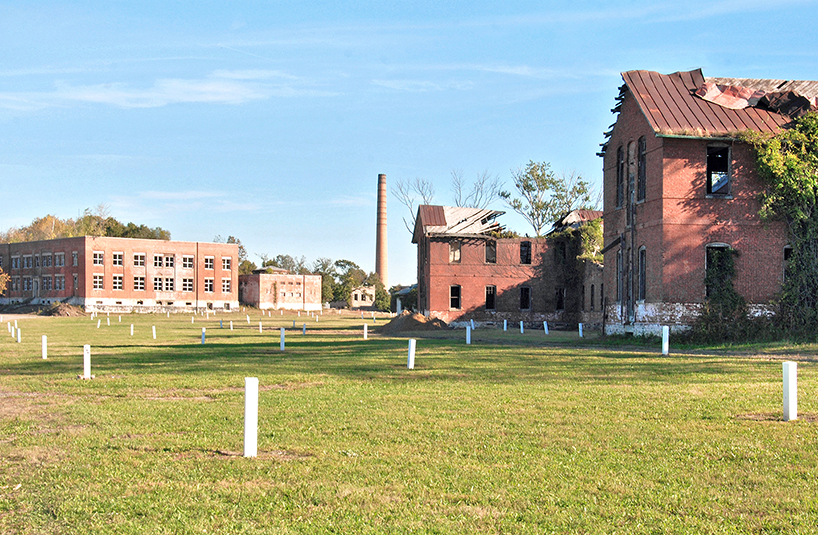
column 454, row 221
column 672, row 108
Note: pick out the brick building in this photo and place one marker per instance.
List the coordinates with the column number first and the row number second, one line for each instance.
column 466, row 272
column 678, row 185
column 122, row 274
column 274, row 288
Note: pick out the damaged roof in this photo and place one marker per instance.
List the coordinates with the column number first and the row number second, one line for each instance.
column 575, row 218
column 433, row 220
column 688, row 104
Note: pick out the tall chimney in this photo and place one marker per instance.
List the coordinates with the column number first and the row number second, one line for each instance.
column 380, row 240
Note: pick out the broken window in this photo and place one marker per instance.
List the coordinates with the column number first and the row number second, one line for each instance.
column 454, row 297
column 491, row 252
column 620, row 176
column 592, row 298
column 491, row 292
column 787, row 255
column 559, row 299
column 718, row 170
column 642, row 274
column 454, row 252
column 718, row 272
column 525, row 298
column 525, row 252
column 642, row 169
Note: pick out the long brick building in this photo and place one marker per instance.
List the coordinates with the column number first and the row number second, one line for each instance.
column 122, row 274
column 679, row 185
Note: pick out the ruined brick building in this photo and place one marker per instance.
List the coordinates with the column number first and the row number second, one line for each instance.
column 466, row 271
column 278, row 289
column 678, row 183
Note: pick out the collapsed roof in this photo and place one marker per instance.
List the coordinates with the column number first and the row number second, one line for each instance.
column 433, row 220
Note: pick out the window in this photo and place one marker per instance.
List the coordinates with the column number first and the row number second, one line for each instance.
column 582, row 298
column 491, row 252
column 525, row 298
column 27, row 284
column 139, row 259
column 592, row 298
column 139, row 283
column 525, row 252
column 116, row 284
column 226, row 261
column 620, row 176
column 559, row 299
column 718, row 170
column 619, row 275
column 208, row 262
column 37, row 261
column 47, row 260
column 226, row 286
column 642, row 169
column 158, row 260
column 559, row 252
column 187, row 285
column 354, row 297
column 1, row 261
column 169, row 261
column 76, row 282
column 454, row 297
column 74, row 258
column 187, row 262
column 59, row 282
column 99, row 258
column 787, row 255
column 27, row 261
column 454, row 252
column 642, row 274
column 491, row 292
column 98, row 282
column 157, row 284
column 718, row 267
column 59, row 259
column 208, row 285
column 116, row 259
column 15, row 284
column 15, row 262
column 168, row 284
column 47, row 284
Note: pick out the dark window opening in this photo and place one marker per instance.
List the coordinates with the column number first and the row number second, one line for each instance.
column 559, row 252
column 491, row 252
column 642, row 274
column 718, row 170
column 491, row 292
column 716, row 268
column 787, row 255
column 582, row 299
column 559, row 298
column 592, row 298
column 525, row 298
column 620, row 176
column 525, row 252
column 601, row 297
column 454, row 252
column 619, row 276
column 454, row 297
column 643, row 170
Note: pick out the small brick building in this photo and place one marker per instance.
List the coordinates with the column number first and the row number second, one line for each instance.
column 678, row 183
column 121, row 274
column 466, row 272
column 279, row 290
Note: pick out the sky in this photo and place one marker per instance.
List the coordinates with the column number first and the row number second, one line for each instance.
column 270, row 121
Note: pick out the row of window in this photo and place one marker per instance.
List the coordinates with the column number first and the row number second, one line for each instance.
column 455, row 297
column 160, row 284
column 161, row 260
column 48, row 284
column 490, row 250
column 35, row 261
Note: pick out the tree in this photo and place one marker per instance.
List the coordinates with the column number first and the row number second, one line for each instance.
column 90, row 223
column 382, row 301
column 545, row 196
column 484, row 190
column 326, row 268
column 350, row 276
column 411, row 193
column 295, row 265
column 4, row 280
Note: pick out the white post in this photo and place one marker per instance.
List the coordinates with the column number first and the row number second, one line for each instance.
column 545, row 326
column 373, row 319
column 665, row 340
column 120, row 319
column 153, row 327
column 259, row 327
column 221, row 325
column 505, row 325
column 86, row 361
column 19, row 336
column 191, row 318
column 108, row 320
column 15, row 324
column 410, row 363
column 299, row 313
column 472, row 324
column 250, row 416
column 316, row 318
column 580, row 330
column 365, row 332
column 293, row 324
column 522, row 328
column 281, row 312
column 282, row 339
column 231, row 325
column 248, row 319
column 168, row 313
column 99, row 322
column 208, row 314
column 45, row 346
column 468, row 335
column 203, row 335
column 304, row 329
column 131, row 329
column 790, row 391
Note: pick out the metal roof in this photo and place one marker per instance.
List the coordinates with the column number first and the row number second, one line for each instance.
column 454, row 221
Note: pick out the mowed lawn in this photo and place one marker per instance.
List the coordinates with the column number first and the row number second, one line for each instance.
column 512, row 434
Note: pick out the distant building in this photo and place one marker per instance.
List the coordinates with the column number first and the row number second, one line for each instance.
column 363, row 297
column 465, row 271
column 274, row 288
column 122, row 274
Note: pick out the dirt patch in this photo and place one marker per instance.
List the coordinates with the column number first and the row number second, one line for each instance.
column 62, row 310
column 775, row 417
column 409, row 322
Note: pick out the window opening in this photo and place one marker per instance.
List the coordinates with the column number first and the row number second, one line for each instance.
column 525, row 252
column 491, row 292
column 454, row 297
column 454, row 252
column 525, row 298
column 718, row 170
column 491, row 252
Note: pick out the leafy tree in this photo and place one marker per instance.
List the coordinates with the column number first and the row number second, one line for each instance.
column 4, row 280
column 246, row 267
column 326, row 268
column 90, row 223
column 350, row 276
column 545, row 196
column 294, row 265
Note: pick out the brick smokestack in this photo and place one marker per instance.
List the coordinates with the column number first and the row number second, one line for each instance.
column 381, row 267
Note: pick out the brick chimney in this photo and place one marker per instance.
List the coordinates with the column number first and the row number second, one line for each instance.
column 381, row 264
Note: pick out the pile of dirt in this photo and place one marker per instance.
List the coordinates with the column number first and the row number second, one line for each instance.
column 409, row 322
column 63, row 310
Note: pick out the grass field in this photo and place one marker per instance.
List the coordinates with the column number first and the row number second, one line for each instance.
column 512, row 434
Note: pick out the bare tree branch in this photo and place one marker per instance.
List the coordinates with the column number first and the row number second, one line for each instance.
column 412, row 193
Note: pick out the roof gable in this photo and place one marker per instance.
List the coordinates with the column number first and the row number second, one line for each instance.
column 454, row 221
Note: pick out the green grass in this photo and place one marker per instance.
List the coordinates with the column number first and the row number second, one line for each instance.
column 512, row 434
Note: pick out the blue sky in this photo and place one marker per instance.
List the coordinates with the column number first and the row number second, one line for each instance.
column 270, row 121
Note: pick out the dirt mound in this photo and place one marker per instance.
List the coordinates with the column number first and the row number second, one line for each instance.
column 409, row 322
column 63, row 310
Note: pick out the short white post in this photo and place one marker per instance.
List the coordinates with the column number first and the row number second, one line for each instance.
column 208, row 314
column 522, row 328
column 15, row 324
column 248, row 319
column 250, row 416
column 282, row 339
column 231, row 325
column 221, row 325
column 373, row 319
column 153, row 327
column 362, row 314
column 191, row 318
column 365, row 330
column 259, row 327
column 665, row 340
column 293, row 324
column 304, row 329
column 468, row 335
column 99, row 322
column 86, row 361
column 545, row 326
column 120, row 319
column 108, row 320
column 316, row 319
column 131, row 329
column 203, row 335
column 790, row 391
column 472, row 324
column 299, row 313
column 281, row 311
column 108, row 314
column 580, row 330
column 19, row 336
column 168, row 313
column 505, row 325
column 45, row 346
column 410, row 363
